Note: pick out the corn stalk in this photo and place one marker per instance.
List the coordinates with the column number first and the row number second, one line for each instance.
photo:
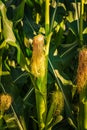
column 39, row 65
column 82, row 88
column 81, row 22
column 82, row 75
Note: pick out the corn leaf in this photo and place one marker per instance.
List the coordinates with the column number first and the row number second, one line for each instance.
column 19, row 12
column 7, row 25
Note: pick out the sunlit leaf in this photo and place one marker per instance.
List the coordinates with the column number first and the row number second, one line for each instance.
column 20, row 56
column 85, row 31
column 58, row 119
column 7, row 25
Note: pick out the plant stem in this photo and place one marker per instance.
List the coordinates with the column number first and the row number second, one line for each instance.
column 39, row 70
column 41, row 101
column 83, row 114
column 81, row 23
column 41, row 82
column 77, row 14
column 83, row 95
column 47, row 16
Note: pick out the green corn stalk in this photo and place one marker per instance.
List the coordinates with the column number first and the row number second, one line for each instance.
column 82, row 89
column 82, row 86
column 39, row 65
column 81, row 22
column 47, row 2
column 83, row 115
column 39, row 71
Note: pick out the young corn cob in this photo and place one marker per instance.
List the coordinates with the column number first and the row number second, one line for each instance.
column 82, row 70
column 82, row 88
column 38, row 58
column 58, row 100
column 56, row 108
column 5, row 102
column 39, row 71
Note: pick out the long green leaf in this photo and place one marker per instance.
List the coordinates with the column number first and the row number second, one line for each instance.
column 60, row 86
column 7, row 25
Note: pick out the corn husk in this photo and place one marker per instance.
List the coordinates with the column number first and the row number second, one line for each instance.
column 58, row 101
column 82, row 70
column 38, row 56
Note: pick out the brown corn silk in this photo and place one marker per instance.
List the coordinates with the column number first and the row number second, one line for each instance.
column 82, row 70
column 38, row 56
